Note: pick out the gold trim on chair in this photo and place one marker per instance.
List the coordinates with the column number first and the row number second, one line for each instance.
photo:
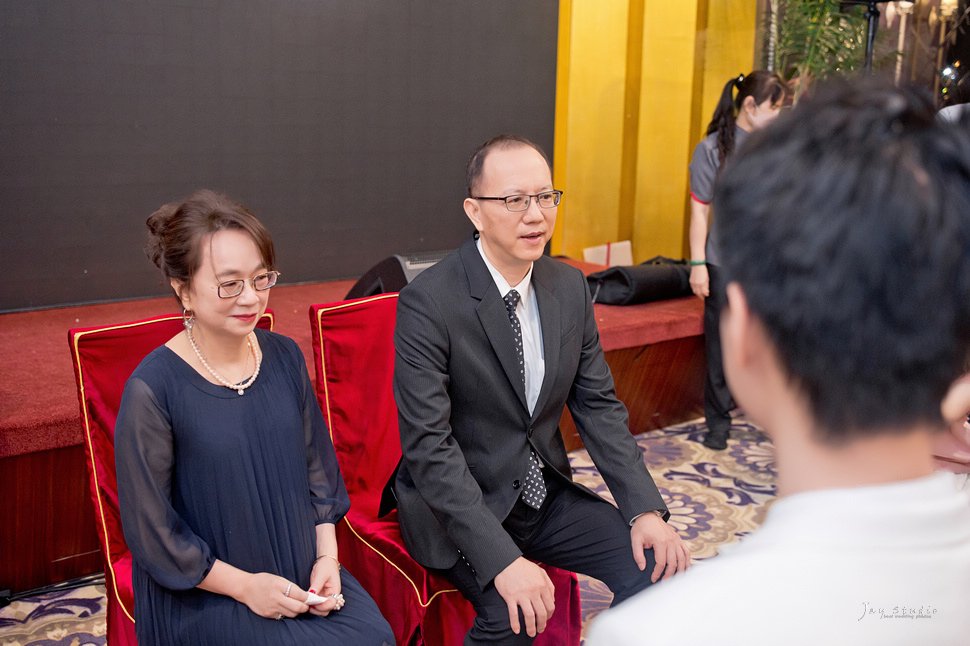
column 323, row 364
column 87, row 435
column 326, row 396
column 94, row 468
column 421, row 602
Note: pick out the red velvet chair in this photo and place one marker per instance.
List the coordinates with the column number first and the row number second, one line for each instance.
column 104, row 357
column 353, row 348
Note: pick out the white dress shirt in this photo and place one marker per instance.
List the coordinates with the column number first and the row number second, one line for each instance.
column 883, row 564
column 528, row 312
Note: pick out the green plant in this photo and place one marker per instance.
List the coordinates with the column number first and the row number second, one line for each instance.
column 816, row 39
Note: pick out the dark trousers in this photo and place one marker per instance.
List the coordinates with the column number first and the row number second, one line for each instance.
column 572, row 531
column 718, row 401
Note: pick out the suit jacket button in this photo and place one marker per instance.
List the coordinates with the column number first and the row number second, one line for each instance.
column 516, row 484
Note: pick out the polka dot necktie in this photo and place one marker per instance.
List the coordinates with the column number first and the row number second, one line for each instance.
column 535, row 488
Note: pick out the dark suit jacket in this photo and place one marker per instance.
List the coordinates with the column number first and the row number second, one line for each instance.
column 465, row 425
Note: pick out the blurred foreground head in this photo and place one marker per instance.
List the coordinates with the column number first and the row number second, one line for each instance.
column 846, row 224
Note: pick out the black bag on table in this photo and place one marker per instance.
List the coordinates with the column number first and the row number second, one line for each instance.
column 656, row 279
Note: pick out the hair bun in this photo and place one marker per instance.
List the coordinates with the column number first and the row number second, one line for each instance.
column 157, row 223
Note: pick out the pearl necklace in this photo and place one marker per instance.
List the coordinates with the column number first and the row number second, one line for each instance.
column 239, row 388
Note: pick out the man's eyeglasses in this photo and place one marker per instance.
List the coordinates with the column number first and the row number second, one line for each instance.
column 262, row 282
column 545, row 200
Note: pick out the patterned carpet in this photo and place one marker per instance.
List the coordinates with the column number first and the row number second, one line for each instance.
column 63, row 618
column 714, row 497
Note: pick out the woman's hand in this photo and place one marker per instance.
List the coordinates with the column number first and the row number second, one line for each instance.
column 700, row 213
column 325, row 581
column 325, row 575
column 700, row 281
column 272, row 597
column 267, row 595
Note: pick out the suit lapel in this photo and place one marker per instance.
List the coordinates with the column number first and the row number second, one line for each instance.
column 493, row 316
column 550, row 320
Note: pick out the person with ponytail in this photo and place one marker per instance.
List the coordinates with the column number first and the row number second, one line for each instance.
column 747, row 103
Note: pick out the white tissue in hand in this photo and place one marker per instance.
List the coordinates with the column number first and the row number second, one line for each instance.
column 314, row 599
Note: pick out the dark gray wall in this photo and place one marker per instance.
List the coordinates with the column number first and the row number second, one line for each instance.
column 343, row 124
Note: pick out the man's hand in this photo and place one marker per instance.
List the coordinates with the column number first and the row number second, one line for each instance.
column 649, row 531
column 525, row 585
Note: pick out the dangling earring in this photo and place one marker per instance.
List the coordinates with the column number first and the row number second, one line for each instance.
column 188, row 318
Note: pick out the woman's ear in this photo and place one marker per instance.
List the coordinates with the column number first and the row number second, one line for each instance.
column 748, row 104
column 181, row 292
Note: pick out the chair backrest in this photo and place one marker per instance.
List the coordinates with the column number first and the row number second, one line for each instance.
column 353, row 351
column 104, row 357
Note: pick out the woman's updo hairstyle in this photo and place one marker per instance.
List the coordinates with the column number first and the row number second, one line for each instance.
column 177, row 231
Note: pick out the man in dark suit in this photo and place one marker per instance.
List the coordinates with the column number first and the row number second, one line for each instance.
column 491, row 343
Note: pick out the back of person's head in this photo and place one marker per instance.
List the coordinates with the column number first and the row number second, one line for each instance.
column 476, row 163
column 177, row 231
column 847, row 226
column 760, row 85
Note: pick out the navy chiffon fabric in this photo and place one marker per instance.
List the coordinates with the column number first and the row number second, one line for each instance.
column 206, row 474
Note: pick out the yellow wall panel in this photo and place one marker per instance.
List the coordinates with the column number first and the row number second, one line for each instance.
column 587, row 161
column 636, row 85
column 666, row 98
column 730, row 49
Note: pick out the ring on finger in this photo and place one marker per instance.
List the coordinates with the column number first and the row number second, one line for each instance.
column 288, row 587
column 279, row 616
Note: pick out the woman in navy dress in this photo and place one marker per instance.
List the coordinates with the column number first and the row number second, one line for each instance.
column 228, row 483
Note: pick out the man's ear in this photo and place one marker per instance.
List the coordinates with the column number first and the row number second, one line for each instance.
column 474, row 212
column 956, row 404
column 743, row 334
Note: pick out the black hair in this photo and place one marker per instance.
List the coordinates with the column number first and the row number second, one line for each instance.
column 761, row 86
column 847, row 226
column 473, row 171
